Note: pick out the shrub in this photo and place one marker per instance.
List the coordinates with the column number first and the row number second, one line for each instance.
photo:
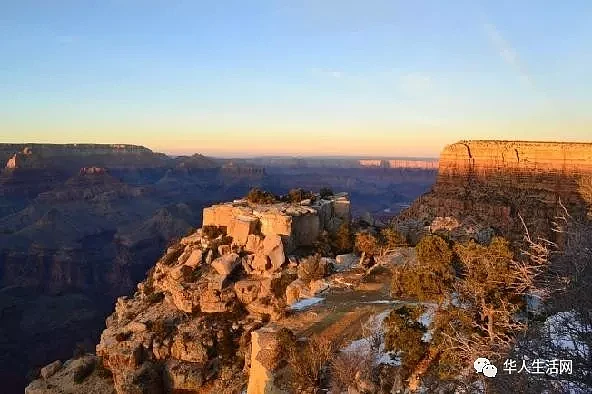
column 343, row 240
column 433, row 250
column 297, row 195
column 123, row 336
column 403, row 333
column 313, row 268
column 172, row 257
column 391, row 238
column 308, row 362
column 82, row 371
column 431, row 279
column 258, row 196
column 367, row 244
column 211, row 232
column 347, row 368
column 155, row 298
column 326, row 192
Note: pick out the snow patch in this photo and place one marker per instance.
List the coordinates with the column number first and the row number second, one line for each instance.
column 561, row 328
column 365, row 345
column 426, row 319
column 305, row 303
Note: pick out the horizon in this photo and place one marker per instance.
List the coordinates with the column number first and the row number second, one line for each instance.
column 273, row 78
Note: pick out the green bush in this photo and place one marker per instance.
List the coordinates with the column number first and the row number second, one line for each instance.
column 258, row 196
column 391, row 238
column 431, row 279
column 403, row 333
column 433, row 250
column 343, row 240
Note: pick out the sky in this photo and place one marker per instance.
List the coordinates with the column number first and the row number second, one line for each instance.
column 307, row 77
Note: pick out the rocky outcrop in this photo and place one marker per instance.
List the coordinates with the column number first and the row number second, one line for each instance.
column 192, row 324
column 295, row 224
column 491, row 183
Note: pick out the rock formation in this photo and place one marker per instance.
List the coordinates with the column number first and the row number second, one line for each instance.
column 492, row 183
column 190, row 325
column 400, row 163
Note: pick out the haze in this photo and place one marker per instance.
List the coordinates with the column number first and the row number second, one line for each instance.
column 273, row 77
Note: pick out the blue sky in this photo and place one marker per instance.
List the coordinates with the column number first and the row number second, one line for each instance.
column 294, row 77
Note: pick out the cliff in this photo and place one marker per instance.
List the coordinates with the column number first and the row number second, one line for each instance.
column 188, row 328
column 491, row 183
column 68, row 156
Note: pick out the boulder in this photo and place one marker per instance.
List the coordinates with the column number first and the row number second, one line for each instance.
column 218, row 215
column 296, row 290
column 187, row 348
column 144, row 380
column 274, row 249
column 265, row 359
column 299, row 289
column 216, row 281
column 261, row 262
column 225, row 265
column 136, row 327
column 224, row 250
column 276, row 223
column 215, row 301
column 183, row 376
column 184, row 297
column 50, row 369
column 254, row 243
column 344, row 262
column 192, row 239
column 342, row 207
column 317, row 286
column 241, row 227
column 247, row 290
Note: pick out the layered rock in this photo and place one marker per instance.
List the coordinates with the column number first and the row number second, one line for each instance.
column 296, row 225
column 190, row 324
column 493, row 183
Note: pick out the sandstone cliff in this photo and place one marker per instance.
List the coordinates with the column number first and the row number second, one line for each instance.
column 491, row 183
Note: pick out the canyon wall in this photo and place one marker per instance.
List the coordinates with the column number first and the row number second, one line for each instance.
column 426, row 164
column 493, row 182
column 35, row 156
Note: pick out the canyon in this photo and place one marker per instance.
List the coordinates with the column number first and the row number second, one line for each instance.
column 211, row 313
column 81, row 224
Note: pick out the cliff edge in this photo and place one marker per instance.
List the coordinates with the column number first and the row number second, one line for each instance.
column 494, row 183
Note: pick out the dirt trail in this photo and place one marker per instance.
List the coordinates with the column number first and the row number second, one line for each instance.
column 353, row 298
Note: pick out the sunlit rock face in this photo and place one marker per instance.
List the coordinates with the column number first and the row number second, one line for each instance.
column 496, row 182
column 296, row 225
